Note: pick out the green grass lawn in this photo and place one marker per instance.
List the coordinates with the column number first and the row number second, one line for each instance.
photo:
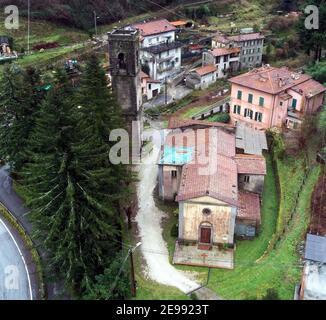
column 279, row 268
column 248, row 14
column 42, row 31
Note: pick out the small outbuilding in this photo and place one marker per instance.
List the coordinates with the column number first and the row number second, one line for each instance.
column 202, row 77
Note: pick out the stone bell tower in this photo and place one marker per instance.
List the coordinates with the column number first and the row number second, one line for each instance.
column 125, row 69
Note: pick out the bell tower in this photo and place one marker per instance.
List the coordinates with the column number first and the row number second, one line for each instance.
column 125, row 73
column 125, row 68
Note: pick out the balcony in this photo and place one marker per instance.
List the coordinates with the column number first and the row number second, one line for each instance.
column 165, row 69
column 295, row 115
column 165, row 59
column 294, row 119
column 163, row 47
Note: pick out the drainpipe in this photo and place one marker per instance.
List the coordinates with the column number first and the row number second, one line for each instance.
column 273, row 105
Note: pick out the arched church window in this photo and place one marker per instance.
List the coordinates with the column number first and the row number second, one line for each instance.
column 122, row 61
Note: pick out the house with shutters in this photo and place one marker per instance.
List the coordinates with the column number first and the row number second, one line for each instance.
column 199, row 168
column 250, row 47
column 160, row 52
column 269, row 97
column 226, row 60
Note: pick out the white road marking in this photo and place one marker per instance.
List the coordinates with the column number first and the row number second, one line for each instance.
column 22, row 257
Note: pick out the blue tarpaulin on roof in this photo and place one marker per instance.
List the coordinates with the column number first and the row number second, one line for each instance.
column 176, row 155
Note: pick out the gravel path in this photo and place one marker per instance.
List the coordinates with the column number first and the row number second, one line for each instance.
column 149, row 218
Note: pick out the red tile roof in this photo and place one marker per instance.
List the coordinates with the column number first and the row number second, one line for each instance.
column 147, row 78
column 218, row 180
column 309, row 88
column 154, row 27
column 175, row 123
column 223, row 51
column 221, row 38
column 246, row 37
column 178, row 23
column 195, row 47
column 248, row 206
column 250, row 164
column 205, row 70
column 269, row 79
column 214, row 167
column 205, row 141
column 143, row 75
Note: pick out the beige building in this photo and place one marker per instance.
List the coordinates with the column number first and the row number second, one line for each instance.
column 201, row 171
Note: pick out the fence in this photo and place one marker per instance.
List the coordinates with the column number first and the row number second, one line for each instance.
column 217, row 107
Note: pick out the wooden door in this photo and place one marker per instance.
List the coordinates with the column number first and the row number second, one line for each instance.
column 205, row 235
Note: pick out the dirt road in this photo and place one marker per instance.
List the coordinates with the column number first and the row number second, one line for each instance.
column 149, row 217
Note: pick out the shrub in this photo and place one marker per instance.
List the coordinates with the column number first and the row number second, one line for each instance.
column 193, row 296
column 174, row 231
column 46, row 45
column 220, row 117
column 318, row 71
column 279, row 24
column 278, row 145
column 271, row 294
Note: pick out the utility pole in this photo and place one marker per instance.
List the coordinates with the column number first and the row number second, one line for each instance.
column 166, row 91
column 28, row 25
column 133, row 280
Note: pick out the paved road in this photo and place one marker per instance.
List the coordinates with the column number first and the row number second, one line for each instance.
column 11, row 200
column 15, row 282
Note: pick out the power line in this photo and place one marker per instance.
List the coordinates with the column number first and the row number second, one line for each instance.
column 168, row 10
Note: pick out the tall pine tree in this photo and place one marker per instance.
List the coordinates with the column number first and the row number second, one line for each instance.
column 74, row 191
column 20, row 100
column 313, row 40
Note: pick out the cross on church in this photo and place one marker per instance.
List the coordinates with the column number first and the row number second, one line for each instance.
column 204, row 255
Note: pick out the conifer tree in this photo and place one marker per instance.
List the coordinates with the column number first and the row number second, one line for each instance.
column 74, row 192
column 100, row 114
column 20, row 100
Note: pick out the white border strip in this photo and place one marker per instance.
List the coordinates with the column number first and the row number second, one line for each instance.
column 22, row 257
